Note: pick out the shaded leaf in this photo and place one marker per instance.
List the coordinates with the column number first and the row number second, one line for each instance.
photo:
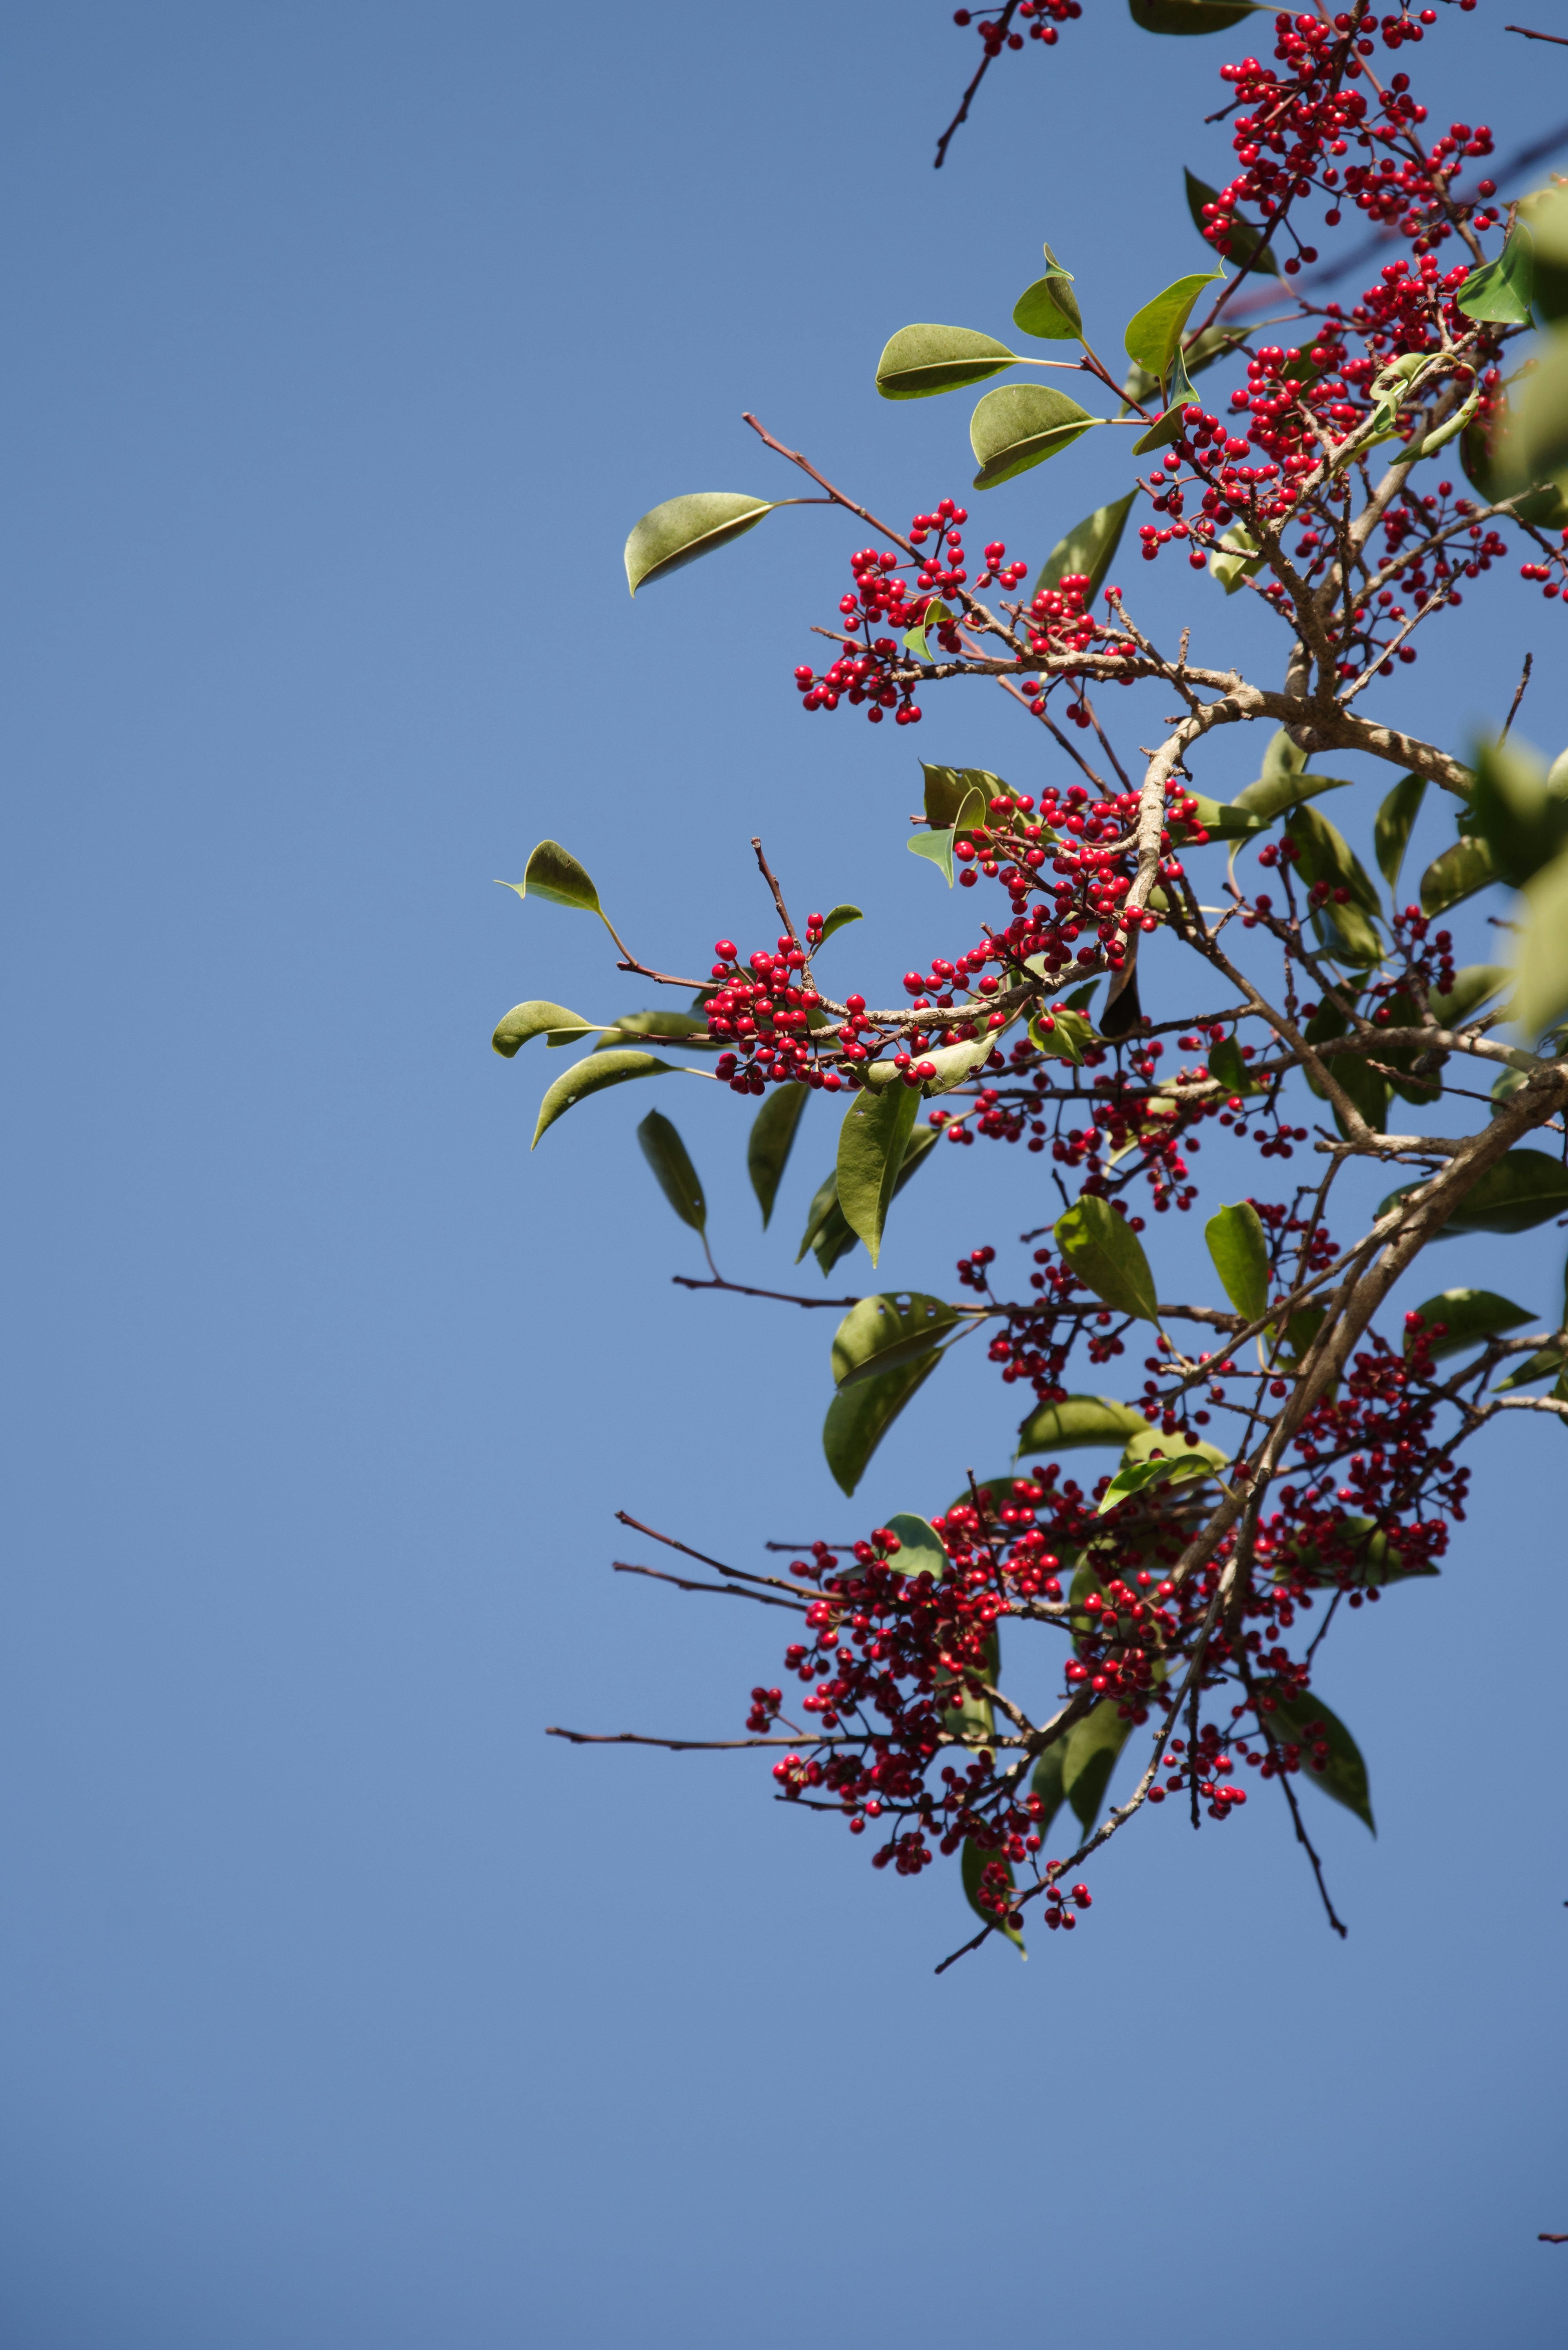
column 1300, row 1331
column 1241, row 1253
column 1019, row 426
column 1345, row 1778
column 968, row 1714
column 1226, row 819
column 1078, row 1420
column 683, row 528
column 920, row 1550
column 881, row 1332
column 1547, row 1364
column 1154, row 334
column 1494, row 455
column 1456, row 875
column 1475, row 985
column 972, row 1864
column 826, row 1232
column 536, row 1018
column 1516, row 811
column 1227, row 1068
column 1046, row 1785
column 1189, row 16
column 921, row 360
column 1049, row 309
column 1391, row 830
column 1366, row 1088
column 554, row 873
column 1061, row 1036
column 1093, row 1746
column 954, row 1062
column 1244, row 239
column 1322, row 854
column 1499, row 291
column 1285, row 783
column 666, row 1154
column 1469, row 1317
column 871, row 1144
column 1541, row 996
column 1523, row 1189
column 770, row 1142
column 859, row 1417
column 1107, row 1255
column 1089, row 547
column 592, row 1076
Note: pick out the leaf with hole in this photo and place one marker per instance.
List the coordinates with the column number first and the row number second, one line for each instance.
column 859, row 1417
column 1392, row 828
column 1078, row 1420
column 1020, row 425
column 973, row 1862
column 1518, row 1191
column 1154, row 334
column 882, row 1332
column 1089, row 548
column 592, row 1076
column 683, row 528
column 1244, row 240
column 1468, row 1315
column 1107, row 1256
column 1293, row 1720
column 921, row 360
column 1240, row 1249
column 1497, row 292
column 770, row 1142
column 536, row 1018
column 677, row 1177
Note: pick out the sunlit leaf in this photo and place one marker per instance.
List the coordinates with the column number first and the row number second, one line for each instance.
column 1392, row 829
column 1241, row 1253
column 921, row 360
column 881, row 1332
column 536, row 1018
column 1078, row 1420
column 683, row 528
column 972, row 1864
column 920, row 1550
column 1345, row 1777
column 1468, row 1315
column 1107, row 1255
column 666, row 1154
column 1236, row 558
column 1154, row 333
column 1523, row 1189
column 591, row 1077
column 1089, row 548
column 554, row 873
column 1020, row 425
column 871, row 1143
column 1061, row 1036
column 1244, row 239
column 953, row 1063
column 770, row 1142
column 1049, row 309
column 859, row 1417
column 837, row 918
column 1499, row 291
column 937, row 847
column 1174, row 1469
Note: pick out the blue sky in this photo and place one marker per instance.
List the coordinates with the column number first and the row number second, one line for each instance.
column 338, row 2004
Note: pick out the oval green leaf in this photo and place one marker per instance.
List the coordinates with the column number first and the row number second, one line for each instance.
column 859, row 1417
column 1078, row 1420
column 1241, row 1253
column 1499, row 291
column 1154, row 334
column 1468, row 1315
column 1456, row 875
column 1092, row 1747
column 770, row 1142
column 554, row 873
column 920, row 1548
column 1108, row 1257
column 1522, row 1190
column 1391, row 830
column 681, row 529
column 871, row 1145
column 837, row 918
column 827, row 1235
column 1245, row 240
column 1173, row 1470
column 667, row 1155
column 1049, row 309
column 1541, row 997
column 1090, row 547
column 592, row 1076
column 1021, row 425
column 921, row 360
column 1345, row 1778
column 537, row 1018
column 882, row 1332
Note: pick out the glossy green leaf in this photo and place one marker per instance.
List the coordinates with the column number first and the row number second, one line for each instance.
column 954, row 1064
column 920, row 1549
column 881, row 1332
column 592, row 1076
column 1541, row 997
column 1345, row 1777
column 1524, row 1188
column 1189, row 16
column 1093, row 1746
column 1172, row 1471
column 770, row 1142
column 1089, row 548
column 554, row 873
column 838, row 919
column 1499, row 291
column 666, row 1154
column 1245, row 240
column 536, row 1018
column 1456, row 875
column 1214, row 343
column 1516, row 810
column 1049, row 309
column 1469, row 1317
column 859, row 1417
column 1475, row 985
column 681, row 529
column 937, row 615
column 1076, row 1421
column 871, row 1144
column 1241, row 1253
column 1230, row 1070
column 921, row 360
column 1061, row 1036
column 1322, row 854
column 1107, row 1255
column 972, row 1864
column 826, row 1232
column 1020, row 425
column 1154, row 334
column 1395, row 819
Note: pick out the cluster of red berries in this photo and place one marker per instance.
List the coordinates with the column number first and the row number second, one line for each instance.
column 1041, row 17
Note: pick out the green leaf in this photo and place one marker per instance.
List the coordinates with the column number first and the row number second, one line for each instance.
column 1089, row 548
column 1285, row 783
column 1475, row 985
column 1345, row 1777
column 881, row 1332
column 837, row 921
column 1154, row 334
column 1078, row 1420
column 1049, row 309
column 938, row 847
column 769, row 1144
column 1240, row 1255
column 920, row 1547
column 669, row 1027
column 1226, row 820
column 1471, row 1316
column 1540, row 439
column 958, row 798
column 952, row 1064
column 1189, row 15
column 826, row 1232
column 1456, row 875
column 1523, row 1189
column 859, row 1417
column 1548, row 1364
column 1322, row 854
column 1107, row 1255
column 1523, row 818
column 677, row 1177
column 1174, row 1469
column 972, row 1864
column 1300, row 1331
column 591, row 1076
column 1213, row 343
column 1245, row 239
column 965, row 1714
column 1495, row 451
column 1548, row 217
column 1067, row 1038
column 1391, row 831
column 1236, row 558
column 915, row 641
column 1093, row 1746
column 1227, row 1068
column 553, row 873
column 1046, row 1785
column 921, row 360
column 1020, row 425
column 1364, row 1086
column 1499, row 291
column 536, row 1018
column 681, row 529
column 871, row 1144
column 1541, row 996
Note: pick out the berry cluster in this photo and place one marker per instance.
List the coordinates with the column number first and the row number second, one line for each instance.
column 1041, row 17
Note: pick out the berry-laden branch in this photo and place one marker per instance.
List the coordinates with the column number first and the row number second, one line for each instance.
column 1288, row 1473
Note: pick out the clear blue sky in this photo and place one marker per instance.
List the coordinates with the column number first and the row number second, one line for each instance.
column 338, row 2006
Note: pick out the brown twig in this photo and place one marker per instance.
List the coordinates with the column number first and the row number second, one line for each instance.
column 1524, row 674
column 769, row 876
column 1556, row 39
column 986, row 63
column 686, row 1745
column 776, row 1582
column 725, row 1590
column 784, row 1296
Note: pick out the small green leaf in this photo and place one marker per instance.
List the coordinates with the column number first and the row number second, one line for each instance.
column 1548, row 1364
column 1473, row 985
column 1456, row 875
column 1240, row 1255
column 957, row 798
column 840, row 916
column 1245, row 239
column 859, row 1417
column 666, row 1154
column 1020, row 425
column 1078, row 1420
column 1093, row 1746
column 1236, row 558
column 591, row 1077
column 921, row 360
column 1285, row 783
column 972, row 1864
column 770, row 1142
column 920, row 1547
column 915, row 640
column 871, row 1144
column 1154, row 334
column 1227, row 1068
column 1523, row 1189
column 1499, row 291
column 1345, row 1776
column 1541, row 996
column 1049, row 309
column 1173, row 1470
column 1468, row 1315
column 1068, row 1036
column 681, row 529
column 1391, row 831
column 1322, row 854
column 535, row 1018
column 1189, row 16
column 881, row 1332
column 1107, row 1255
column 553, row 873
column 938, row 847
column 1089, row 548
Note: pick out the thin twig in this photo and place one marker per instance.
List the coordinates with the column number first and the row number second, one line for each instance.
column 1558, row 41
column 962, row 114
column 1524, row 674
column 739, row 1289
column 725, row 1590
